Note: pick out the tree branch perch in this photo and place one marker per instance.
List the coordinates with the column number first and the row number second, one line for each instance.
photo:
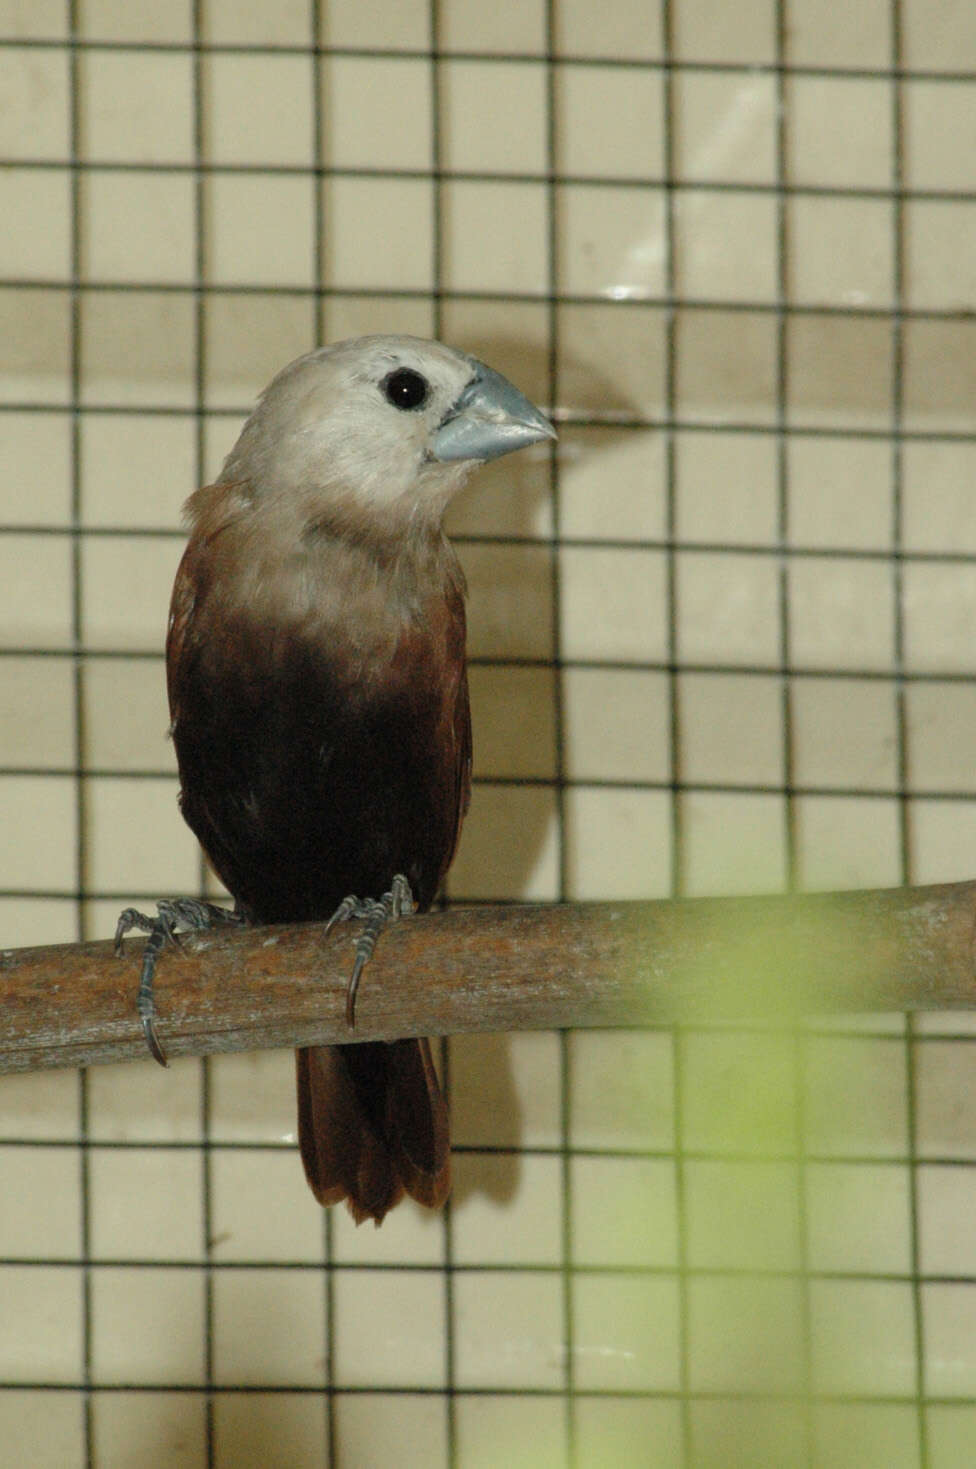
column 504, row 968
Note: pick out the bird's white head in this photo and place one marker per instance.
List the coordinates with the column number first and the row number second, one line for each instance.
column 384, row 422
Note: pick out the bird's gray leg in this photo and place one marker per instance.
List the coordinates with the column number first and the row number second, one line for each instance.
column 172, row 915
column 377, row 912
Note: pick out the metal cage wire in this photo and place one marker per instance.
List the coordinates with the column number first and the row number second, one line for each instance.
column 714, row 633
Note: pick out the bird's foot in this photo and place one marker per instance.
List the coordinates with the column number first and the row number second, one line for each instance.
column 172, row 915
column 376, row 912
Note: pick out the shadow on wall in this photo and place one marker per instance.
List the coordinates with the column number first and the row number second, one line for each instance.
column 510, row 845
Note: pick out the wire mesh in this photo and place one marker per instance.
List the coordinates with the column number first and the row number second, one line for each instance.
column 719, row 643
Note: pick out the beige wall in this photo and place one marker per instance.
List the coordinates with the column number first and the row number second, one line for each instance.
column 698, row 665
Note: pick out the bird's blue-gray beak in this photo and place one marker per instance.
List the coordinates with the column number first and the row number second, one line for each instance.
column 489, row 419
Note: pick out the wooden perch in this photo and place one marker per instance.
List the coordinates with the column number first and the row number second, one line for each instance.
column 505, row 968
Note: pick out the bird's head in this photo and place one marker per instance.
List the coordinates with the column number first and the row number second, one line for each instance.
column 390, row 423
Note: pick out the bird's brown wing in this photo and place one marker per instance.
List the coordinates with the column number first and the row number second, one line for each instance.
column 463, row 743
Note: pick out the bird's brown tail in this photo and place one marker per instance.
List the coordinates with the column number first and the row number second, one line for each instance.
column 372, row 1125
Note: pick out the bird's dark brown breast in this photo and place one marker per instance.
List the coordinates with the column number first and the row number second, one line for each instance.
column 315, row 761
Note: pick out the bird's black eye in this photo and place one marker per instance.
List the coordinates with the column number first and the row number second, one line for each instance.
column 405, row 388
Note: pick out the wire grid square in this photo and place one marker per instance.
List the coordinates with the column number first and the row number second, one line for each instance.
column 699, row 246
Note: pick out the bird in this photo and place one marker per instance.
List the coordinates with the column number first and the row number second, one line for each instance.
column 316, row 673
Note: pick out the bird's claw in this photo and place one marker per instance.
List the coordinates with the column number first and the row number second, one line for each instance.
column 350, row 907
column 192, row 915
column 152, row 1039
column 376, row 912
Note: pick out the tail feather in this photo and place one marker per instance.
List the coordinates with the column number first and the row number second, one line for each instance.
column 417, row 1123
column 372, row 1125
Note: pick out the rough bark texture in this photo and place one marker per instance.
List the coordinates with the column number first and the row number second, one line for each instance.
column 496, row 969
